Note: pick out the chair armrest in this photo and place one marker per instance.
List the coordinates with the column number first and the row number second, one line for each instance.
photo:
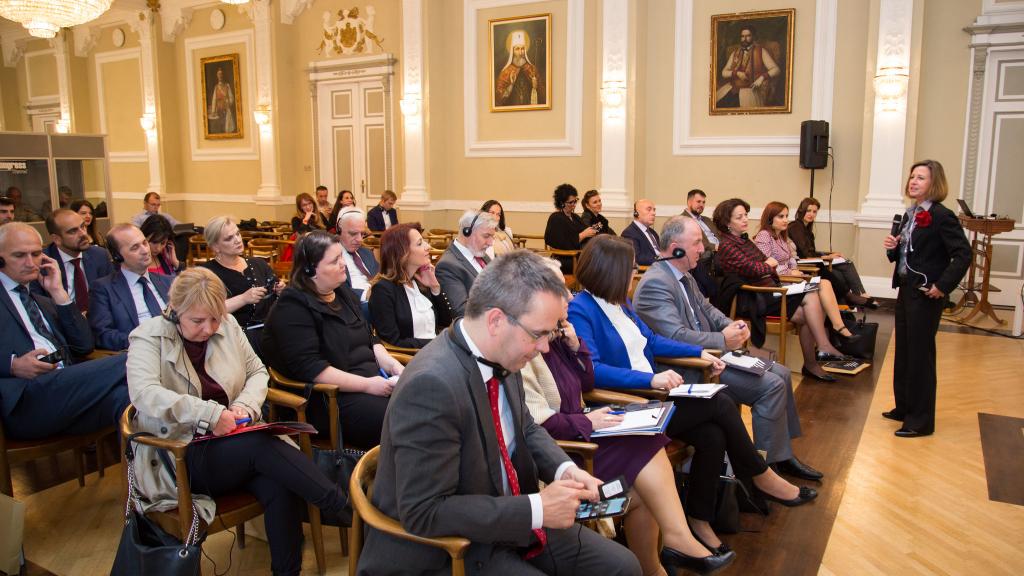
column 599, row 396
column 649, row 393
column 98, row 353
column 558, row 252
column 399, row 349
column 791, row 278
column 286, row 399
column 175, row 446
column 698, row 363
column 285, row 382
column 714, row 352
column 585, row 450
column 455, row 546
column 766, row 289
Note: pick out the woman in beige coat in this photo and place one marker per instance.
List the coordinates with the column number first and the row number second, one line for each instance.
column 192, row 372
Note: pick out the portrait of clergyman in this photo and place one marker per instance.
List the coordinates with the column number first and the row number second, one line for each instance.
column 520, row 63
column 222, row 97
column 751, row 62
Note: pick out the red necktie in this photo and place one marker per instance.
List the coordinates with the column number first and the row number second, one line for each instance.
column 480, row 261
column 81, row 288
column 360, row 265
column 513, row 478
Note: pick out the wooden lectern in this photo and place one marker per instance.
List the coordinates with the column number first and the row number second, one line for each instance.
column 982, row 230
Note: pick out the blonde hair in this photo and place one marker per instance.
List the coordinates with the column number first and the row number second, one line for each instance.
column 198, row 287
column 214, row 228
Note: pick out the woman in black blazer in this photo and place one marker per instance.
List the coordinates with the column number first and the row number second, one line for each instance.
column 565, row 230
column 316, row 333
column 592, row 213
column 931, row 255
column 407, row 306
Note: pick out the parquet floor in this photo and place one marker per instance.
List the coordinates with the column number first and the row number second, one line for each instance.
column 887, row 506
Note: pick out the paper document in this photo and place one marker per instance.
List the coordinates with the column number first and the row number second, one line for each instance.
column 746, row 363
column 810, row 261
column 639, row 422
column 696, row 390
column 839, row 260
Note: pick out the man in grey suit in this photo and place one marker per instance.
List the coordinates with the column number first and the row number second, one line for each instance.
column 668, row 300
column 466, row 257
column 460, row 454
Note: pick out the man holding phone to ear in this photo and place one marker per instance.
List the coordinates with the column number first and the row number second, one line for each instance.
column 39, row 398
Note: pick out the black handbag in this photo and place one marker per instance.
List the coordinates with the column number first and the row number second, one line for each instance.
column 862, row 347
column 145, row 548
column 337, row 466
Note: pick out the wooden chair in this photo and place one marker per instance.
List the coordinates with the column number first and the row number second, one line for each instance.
column 232, row 509
column 263, row 247
column 780, row 324
column 360, row 491
column 570, row 279
column 198, row 251
column 403, row 355
column 525, row 238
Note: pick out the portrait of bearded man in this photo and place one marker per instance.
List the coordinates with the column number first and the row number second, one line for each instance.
column 520, row 70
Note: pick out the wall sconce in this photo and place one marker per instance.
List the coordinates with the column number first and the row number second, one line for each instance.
column 261, row 115
column 613, row 96
column 410, row 105
column 891, row 86
column 62, row 126
column 148, row 123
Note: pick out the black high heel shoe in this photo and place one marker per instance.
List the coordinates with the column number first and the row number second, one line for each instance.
column 719, row 550
column 672, row 559
column 806, row 495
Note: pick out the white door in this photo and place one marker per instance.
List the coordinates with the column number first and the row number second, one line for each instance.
column 353, row 138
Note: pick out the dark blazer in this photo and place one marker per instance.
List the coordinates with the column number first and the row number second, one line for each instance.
column 661, row 303
column 315, row 223
column 375, row 218
column 607, row 350
column 371, row 266
column 456, row 275
column 439, row 472
column 645, row 254
column 391, row 314
column 112, row 312
column 95, row 263
column 69, row 327
column 940, row 251
column 589, row 219
column 709, row 247
column 302, row 336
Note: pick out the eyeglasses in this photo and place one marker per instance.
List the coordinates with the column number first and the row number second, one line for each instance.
column 571, row 202
column 536, row 336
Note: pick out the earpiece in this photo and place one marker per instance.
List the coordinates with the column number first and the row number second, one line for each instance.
column 677, row 253
column 309, row 269
column 115, row 250
column 499, row 371
column 466, row 231
column 172, row 316
column 635, row 213
column 2, row 262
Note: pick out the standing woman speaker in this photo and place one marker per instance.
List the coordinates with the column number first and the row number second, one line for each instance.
column 931, row 255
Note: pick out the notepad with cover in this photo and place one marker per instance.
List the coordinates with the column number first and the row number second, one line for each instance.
column 640, row 422
column 696, row 390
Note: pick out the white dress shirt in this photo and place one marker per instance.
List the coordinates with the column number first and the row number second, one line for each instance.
column 138, row 297
column 632, row 338
column 424, row 324
column 710, row 234
column 469, row 255
column 69, row 269
column 38, row 341
column 355, row 277
column 486, row 372
column 650, row 239
column 387, row 219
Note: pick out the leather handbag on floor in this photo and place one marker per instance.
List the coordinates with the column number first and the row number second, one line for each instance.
column 145, row 548
column 862, row 347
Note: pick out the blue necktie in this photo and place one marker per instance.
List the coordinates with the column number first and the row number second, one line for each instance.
column 35, row 316
column 151, row 304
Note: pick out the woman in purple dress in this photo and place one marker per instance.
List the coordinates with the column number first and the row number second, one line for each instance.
column 554, row 383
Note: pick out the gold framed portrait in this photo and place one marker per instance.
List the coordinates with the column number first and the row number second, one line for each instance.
column 221, row 97
column 752, row 62
column 520, row 63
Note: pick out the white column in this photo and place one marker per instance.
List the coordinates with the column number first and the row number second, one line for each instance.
column 414, row 193
column 614, row 106
column 144, row 26
column 63, row 80
column 885, row 183
column 269, row 190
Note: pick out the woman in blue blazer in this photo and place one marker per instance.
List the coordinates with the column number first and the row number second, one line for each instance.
column 623, row 348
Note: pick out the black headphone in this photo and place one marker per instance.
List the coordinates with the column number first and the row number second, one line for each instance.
column 467, row 230
column 2, row 262
column 676, row 255
column 171, row 315
column 635, row 213
column 115, row 250
column 500, row 372
column 309, row 269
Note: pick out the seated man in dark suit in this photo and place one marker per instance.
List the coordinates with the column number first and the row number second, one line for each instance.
column 640, row 231
column 130, row 294
column 383, row 215
column 696, row 199
column 81, row 264
column 359, row 260
column 668, row 300
column 461, row 456
column 465, row 257
column 40, row 398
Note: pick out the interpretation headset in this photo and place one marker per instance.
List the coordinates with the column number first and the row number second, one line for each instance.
column 467, row 230
column 308, row 268
column 115, row 250
column 171, row 315
column 676, row 255
column 635, row 213
column 3, row 262
column 499, row 371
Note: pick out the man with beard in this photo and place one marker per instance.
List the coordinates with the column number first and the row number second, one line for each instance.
column 748, row 73
column 519, row 84
column 702, row 272
column 80, row 263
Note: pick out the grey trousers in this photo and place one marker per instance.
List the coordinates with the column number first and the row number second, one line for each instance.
column 772, row 406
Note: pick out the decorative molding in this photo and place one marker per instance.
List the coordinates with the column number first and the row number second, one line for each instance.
column 128, row 157
column 262, row 20
column 60, row 48
column 14, row 48
column 976, row 92
column 572, row 143
column 99, row 59
column 34, row 100
column 615, row 76
column 201, row 197
column 822, row 88
column 415, row 191
column 291, row 9
column 175, row 18
column 193, row 85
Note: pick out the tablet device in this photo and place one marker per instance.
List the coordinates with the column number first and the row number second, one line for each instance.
column 603, row 509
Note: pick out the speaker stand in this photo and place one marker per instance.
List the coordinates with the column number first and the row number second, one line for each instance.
column 812, row 182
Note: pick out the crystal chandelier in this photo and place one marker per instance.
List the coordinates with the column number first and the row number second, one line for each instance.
column 44, row 18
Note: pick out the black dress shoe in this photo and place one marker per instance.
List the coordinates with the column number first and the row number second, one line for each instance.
column 893, row 415
column 794, row 467
column 805, row 496
column 871, row 303
column 908, row 433
column 824, row 377
column 719, row 550
column 672, row 559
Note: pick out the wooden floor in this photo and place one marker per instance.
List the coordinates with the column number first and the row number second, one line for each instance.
column 887, row 506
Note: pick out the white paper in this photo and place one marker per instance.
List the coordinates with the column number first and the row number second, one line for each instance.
column 637, row 419
column 839, row 260
column 744, row 361
column 696, row 390
column 810, row 261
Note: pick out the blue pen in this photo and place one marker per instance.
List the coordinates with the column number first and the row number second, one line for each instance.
column 383, row 374
column 240, row 421
column 690, row 389
column 616, row 411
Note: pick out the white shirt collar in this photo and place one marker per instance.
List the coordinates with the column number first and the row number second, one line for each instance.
column 485, row 371
column 9, row 284
column 65, row 257
column 133, row 278
column 465, row 251
column 641, row 226
column 675, row 271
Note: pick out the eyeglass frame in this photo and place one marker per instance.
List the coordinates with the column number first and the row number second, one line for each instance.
column 551, row 335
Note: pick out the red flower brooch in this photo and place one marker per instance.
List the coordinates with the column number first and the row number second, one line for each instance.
column 923, row 219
